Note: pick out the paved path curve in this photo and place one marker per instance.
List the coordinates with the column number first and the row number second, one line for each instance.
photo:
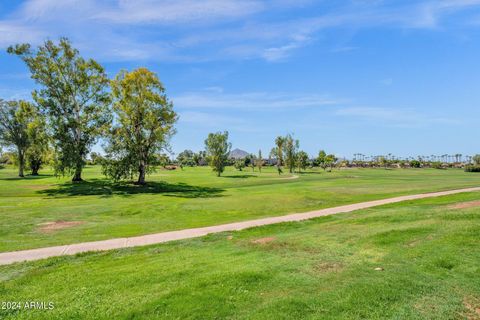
column 41, row 253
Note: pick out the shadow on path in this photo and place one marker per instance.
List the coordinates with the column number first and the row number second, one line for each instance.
column 105, row 188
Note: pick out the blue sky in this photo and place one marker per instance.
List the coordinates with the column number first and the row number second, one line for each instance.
column 350, row 76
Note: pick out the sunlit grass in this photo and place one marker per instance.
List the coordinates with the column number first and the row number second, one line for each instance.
column 318, row 269
column 191, row 198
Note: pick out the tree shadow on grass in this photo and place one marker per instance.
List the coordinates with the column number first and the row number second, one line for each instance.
column 312, row 172
column 105, row 188
column 241, row 176
column 28, row 177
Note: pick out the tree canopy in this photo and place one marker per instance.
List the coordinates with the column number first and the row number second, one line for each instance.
column 144, row 124
column 218, row 149
column 73, row 93
column 39, row 151
column 302, row 160
column 321, row 161
column 15, row 117
column 186, row 158
column 291, row 146
column 278, row 150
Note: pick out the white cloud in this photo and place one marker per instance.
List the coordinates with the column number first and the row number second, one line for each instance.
column 12, row 32
column 429, row 13
column 168, row 12
column 191, row 30
column 280, row 53
column 252, row 100
column 175, row 11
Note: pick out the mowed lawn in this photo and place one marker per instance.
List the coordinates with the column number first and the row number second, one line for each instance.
column 428, row 250
column 46, row 210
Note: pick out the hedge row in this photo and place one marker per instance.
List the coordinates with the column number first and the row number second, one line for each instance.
column 472, row 168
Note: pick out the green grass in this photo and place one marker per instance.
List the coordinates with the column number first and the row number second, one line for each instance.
column 191, row 198
column 317, row 269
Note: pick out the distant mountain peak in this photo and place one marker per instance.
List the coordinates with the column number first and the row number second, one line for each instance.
column 238, row 153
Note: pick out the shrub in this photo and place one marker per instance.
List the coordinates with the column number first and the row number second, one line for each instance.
column 437, row 165
column 472, row 168
column 415, row 164
column 7, row 158
column 239, row 164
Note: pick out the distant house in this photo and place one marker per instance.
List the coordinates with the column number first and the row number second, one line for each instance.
column 271, row 162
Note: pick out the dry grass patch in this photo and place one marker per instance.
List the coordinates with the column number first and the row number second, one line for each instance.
column 324, row 267
column 465, row 205
column 48, row 227
column 472, row 306
column 263, row 240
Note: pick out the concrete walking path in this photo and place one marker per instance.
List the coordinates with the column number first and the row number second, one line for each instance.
column 42, row 253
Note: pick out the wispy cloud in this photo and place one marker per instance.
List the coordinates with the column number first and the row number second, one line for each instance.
column 175, row 12
column 251, row 100
column 431, row 12
column 189, row 30
column 14, row 31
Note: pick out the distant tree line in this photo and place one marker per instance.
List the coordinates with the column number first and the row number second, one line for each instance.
column 390, row 161
column 76, row 103
column 285, row 153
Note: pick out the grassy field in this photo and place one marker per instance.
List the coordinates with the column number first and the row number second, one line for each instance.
column 324, row 268
column 98, row 209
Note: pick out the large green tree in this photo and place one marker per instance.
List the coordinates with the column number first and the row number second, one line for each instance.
column 15, row 117
column 330, row 161
column 200, row 158
column 239, row 164
column 73, row 93
column 278, row 151
column 291, row 146
column 144, row 124
column 321, row 159
column 218, row 149
column 302, row 161
column 39, row 151
column 186, row 158
column 259, row 161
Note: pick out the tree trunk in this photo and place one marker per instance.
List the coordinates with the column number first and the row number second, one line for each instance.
column 77, row 177
column 35, row 170
column 35, row 166
column 21, row 164
column 141, row 174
